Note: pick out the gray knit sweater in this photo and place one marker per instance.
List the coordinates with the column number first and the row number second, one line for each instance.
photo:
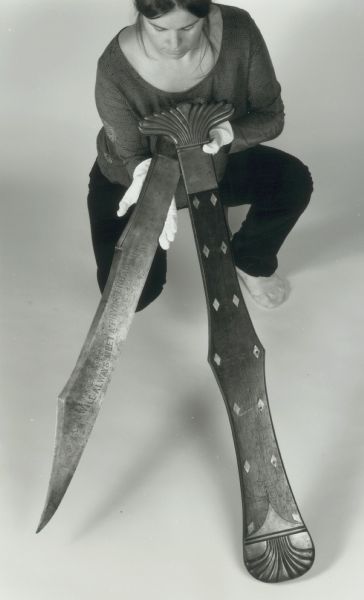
column 243, row 75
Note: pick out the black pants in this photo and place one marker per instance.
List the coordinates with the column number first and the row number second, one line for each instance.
column 277, row 185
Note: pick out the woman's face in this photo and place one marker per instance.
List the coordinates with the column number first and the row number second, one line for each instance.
column 175, row 33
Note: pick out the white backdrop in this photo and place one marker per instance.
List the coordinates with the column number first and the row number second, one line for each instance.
column 154, row 507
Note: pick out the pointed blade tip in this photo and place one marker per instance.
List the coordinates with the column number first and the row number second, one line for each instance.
column 45, row 518
column 41, row 526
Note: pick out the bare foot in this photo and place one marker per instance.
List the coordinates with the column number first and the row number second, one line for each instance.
column 268, row 292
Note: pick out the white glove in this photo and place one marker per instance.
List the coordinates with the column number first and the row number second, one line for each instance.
column 132, row 193
column 131, row 196
column 170, row 227
column 221, row 136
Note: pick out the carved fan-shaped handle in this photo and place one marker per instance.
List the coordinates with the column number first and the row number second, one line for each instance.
column 187, row 124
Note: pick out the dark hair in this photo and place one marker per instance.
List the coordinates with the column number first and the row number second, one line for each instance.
column 152, row 9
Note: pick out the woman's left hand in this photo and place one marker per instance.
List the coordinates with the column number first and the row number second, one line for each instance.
column 131, row 197
column 170, row 227
column 221, row 136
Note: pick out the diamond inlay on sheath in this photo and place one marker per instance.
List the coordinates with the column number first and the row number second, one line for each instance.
column 274, row 461
column 196, row 202
column 206, row 251
column 216, row 304
column 217, row 359
column 237, row 409
column 246, row 466
column 260, row 405
column 256, row 351
column 213, row 199
column 236, row 300
column 223, row 247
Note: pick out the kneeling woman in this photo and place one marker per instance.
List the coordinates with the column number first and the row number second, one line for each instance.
column 187, row 51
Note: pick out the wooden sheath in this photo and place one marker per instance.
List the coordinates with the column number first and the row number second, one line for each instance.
column 276, row 543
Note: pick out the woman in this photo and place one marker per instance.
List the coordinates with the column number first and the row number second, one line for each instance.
column 188, row 50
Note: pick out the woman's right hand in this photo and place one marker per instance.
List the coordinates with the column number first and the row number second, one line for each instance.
column 131, row 196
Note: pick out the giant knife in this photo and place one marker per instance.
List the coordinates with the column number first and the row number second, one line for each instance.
column 276, row 543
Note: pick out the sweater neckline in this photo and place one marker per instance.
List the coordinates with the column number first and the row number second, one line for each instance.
column 149, row 86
